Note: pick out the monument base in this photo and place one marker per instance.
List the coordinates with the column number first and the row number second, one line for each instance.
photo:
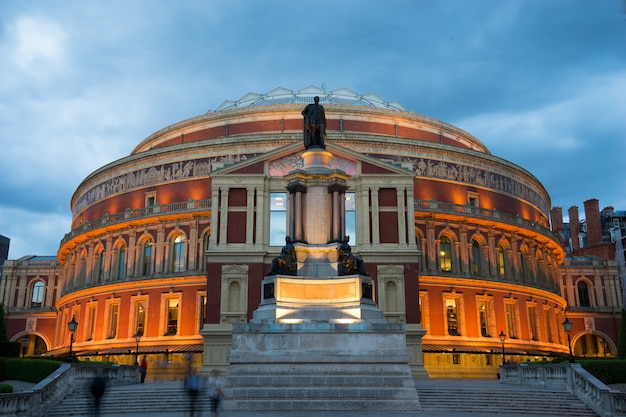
column 320, row 367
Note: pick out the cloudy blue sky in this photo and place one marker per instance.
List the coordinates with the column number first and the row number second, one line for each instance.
column 541, row 83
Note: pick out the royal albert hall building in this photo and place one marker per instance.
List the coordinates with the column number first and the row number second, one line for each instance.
column 169, row 245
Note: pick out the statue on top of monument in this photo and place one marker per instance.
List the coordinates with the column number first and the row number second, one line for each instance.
column 314, row 125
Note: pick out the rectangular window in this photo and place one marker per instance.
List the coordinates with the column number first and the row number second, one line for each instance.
column 278, row 219
column 483, row 313
column 351, row 217
column 172, row 317
column 141, row 317
column 548, row 318
column 452, row 317
column 532, row 322
column 511, row 320
column 202, row 312
column 113, row 317
column 91, row 323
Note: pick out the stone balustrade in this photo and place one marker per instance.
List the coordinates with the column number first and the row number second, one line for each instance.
column 571, row 378
column 66, row 379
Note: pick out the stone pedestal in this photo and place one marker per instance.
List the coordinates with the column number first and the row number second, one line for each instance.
column 320, row 367
column 318, row 341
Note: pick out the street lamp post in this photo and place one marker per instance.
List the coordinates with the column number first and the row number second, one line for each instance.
column 25, row 342
column 567, row 326
column 604, row 344
column 72, row 325
column 137, row 337
column 502, row 338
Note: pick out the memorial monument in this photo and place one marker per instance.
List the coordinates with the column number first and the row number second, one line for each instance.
column 318, row 341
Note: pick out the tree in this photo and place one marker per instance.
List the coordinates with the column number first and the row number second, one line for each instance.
column 3, row 325
column 621, row 345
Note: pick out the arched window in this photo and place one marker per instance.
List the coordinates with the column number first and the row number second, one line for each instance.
column 36, row 300
column 476, row 257
column 178, row 254
column 501, row 263
column 99, row 267
column 583, row 294
column 121, row 261
column 146, row 258
column 445, row 254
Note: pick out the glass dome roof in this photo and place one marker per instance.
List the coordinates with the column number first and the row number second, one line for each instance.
column 284, row 96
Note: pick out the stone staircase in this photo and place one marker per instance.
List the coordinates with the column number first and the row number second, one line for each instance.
column 513, row 401
column 440, row 398
column 321, row 387
column 138, row 399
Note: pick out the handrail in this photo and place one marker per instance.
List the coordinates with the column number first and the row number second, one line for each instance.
column 571, row 378
column 188, row 206
column 56, row 386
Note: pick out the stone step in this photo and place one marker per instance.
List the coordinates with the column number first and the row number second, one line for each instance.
column 331, row 405
column 326, row 393
column 515, row 402
column 318, row 380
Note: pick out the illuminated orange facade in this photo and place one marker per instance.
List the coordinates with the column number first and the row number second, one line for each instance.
column 171, row 243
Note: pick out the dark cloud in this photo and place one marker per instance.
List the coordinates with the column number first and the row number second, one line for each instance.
column 540, row 83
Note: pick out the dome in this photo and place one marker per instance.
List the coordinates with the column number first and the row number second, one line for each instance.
column 282, row 95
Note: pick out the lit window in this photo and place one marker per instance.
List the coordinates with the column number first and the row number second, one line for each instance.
column 172, row 317
column 452, row 317
column 501, row 264
column 483, row 312
column 278, row 219
column 178, row 254
column 141, row 317
column 91, row 323
column 511, row 320
column 445, row 254
column 37, row 298
column 113, row 317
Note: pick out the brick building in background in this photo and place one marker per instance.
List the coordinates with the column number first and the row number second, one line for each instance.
column 169, row 245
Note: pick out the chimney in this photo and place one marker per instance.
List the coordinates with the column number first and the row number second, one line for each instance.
column 574, row 226
column 594, row 223
column 556, row 215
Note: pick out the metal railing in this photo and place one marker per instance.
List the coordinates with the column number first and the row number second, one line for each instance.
column 571, row 378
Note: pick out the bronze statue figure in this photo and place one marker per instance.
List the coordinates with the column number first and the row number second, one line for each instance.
column 349, row 264
column 286, row 262
column 314, row 125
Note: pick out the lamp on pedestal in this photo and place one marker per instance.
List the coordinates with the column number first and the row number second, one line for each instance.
column 137, row 337
column 502, row 339
column 567, row 326
column 72, row 325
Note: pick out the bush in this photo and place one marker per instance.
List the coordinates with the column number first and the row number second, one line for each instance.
column 6, row 389
column 10, row 349
column 29, row 370
column 609, row 371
